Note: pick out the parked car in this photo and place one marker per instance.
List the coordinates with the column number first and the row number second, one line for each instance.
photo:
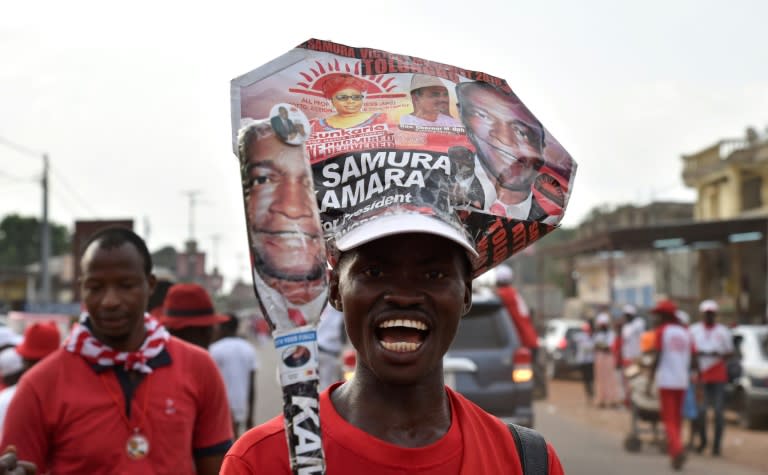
column 487, row 364
column 560, row 345
column 748, row 393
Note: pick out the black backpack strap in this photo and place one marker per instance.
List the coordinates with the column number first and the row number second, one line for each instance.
column 532, row 449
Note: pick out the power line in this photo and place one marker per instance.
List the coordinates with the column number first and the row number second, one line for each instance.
column 20, row 148
column 72, row 191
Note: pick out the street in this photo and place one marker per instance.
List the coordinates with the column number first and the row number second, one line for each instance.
column 588, row 441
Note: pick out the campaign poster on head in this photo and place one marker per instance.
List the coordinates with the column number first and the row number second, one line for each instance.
column 390, row 133
column 330, row 137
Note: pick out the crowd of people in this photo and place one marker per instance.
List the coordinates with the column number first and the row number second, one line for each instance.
column 686, row 366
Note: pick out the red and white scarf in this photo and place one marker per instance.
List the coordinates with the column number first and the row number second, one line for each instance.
column 82, row 342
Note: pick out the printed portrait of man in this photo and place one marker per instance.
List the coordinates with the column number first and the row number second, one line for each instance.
column 283, row 125
column 509, row 143
column 284, row 230
column 431, row 104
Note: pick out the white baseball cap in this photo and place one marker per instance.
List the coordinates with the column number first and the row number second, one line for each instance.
column 504, row 275
column 401, row 223
column 708, row 306
column 603, row 319
column 10, row 362
column 629, row 309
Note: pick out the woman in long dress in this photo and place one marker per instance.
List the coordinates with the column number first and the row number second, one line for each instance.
column 606, row 384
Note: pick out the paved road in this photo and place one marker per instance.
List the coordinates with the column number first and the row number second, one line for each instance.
column 585, row 450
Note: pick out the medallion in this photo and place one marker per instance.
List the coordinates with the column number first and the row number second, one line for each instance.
column 137, row 446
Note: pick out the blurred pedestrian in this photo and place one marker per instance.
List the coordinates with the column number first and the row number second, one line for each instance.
column 714, row 345
column 517, row 309
column 122, row 395
column 238, row 364
column 331, row 337
column 606, row 384
column 671, row 373
column 585, row 358
column 40, row 340
column 188, row 314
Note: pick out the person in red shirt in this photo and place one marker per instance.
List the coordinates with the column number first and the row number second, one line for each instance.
column 401, row 311
column 671, row 373
column 714, row 345
column 122, row 395
column 517, row 309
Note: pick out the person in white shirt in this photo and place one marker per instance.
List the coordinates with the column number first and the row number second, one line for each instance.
column 331, row 337
column 11, row 369
column 238, row 364
column 714, row 345
column 631, row 331
column 585, row 357
column 671, row 372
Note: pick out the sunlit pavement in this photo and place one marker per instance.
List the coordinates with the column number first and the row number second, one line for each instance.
column 590, row 440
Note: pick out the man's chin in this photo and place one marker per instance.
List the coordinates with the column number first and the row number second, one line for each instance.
column 299, row 293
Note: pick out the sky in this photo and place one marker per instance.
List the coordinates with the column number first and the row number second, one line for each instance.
column 131, row 102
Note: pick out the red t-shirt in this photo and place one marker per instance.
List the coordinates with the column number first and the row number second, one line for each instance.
column 520, row 316
column 476, row 443
column 65, row 419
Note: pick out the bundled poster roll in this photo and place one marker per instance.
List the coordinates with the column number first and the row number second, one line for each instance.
column 393, row 138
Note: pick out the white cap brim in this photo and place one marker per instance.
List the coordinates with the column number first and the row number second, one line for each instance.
column 401, row 223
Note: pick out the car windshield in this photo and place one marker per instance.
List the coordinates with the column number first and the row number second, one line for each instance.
column 762, row 343
column 481, row 328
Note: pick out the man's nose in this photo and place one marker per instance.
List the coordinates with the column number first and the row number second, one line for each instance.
column 292, row 200
column 404, row 296
column 111, row 297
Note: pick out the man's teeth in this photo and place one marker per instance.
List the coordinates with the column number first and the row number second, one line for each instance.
column 404, row 323
column 401, row 346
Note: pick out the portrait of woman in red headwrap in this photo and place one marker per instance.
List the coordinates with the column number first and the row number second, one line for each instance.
column 347, row 95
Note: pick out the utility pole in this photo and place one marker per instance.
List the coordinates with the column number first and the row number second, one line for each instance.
column 45, row 232
column 192, row 194
column 215, row 251
column 45, row 240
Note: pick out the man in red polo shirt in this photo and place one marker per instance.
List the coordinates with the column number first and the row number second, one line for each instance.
column 122, row 395
column 714, row 345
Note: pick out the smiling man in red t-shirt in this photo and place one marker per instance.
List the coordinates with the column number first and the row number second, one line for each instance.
column 402, row 293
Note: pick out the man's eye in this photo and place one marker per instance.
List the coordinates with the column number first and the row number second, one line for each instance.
column 435, row 274
column 262, row 179
column 372, row 272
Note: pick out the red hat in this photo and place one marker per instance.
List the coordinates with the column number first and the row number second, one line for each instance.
column 40, row 340
column 666, row 307
column 189, row 305
column 332, row 83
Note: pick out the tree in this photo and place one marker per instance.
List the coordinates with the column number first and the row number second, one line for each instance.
column 20, row 240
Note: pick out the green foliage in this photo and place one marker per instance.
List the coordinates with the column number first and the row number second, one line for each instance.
column 20, row 240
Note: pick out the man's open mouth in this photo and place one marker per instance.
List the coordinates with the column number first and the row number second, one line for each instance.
column 402, row 335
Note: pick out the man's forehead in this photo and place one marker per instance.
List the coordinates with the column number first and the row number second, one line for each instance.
column 501, row 104
column 124, row 253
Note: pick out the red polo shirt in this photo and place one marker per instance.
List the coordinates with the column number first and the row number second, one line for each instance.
column 65, row 415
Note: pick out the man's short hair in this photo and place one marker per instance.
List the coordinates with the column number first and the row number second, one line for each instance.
column 114, row 237
column 232, row 324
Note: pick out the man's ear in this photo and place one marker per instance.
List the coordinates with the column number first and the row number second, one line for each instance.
column 334, row 296
column 151, row 282
column 467, row 297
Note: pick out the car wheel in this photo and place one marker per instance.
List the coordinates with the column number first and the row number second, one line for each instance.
column 747, row 417
column 633, row 443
